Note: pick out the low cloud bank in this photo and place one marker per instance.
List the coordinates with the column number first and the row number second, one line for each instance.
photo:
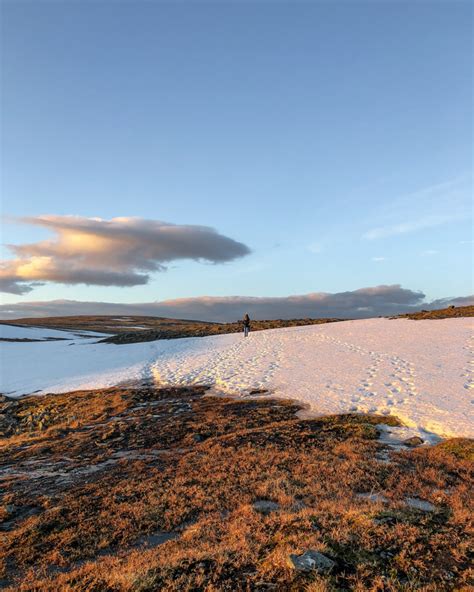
column 117, row 252
column 363, row 303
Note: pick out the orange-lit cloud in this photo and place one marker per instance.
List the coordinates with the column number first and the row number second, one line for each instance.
column 117, row 252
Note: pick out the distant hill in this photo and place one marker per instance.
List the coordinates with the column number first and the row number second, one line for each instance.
column 441, row 313
column 104, row 323
column 133, row 329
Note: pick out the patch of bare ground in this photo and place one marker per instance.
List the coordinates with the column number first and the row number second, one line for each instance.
column 441, row 313
column 145, row 489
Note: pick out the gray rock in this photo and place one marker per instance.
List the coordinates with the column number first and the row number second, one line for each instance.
column 419, row 504
column 311, row 561
column 373, row 497
column 413, row 442
column 265, row 506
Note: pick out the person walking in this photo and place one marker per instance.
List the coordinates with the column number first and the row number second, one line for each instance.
column 246, row 323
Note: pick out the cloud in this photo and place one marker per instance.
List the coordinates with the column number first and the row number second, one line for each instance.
column 423, row 209
column 362, row 303
column 117, row 252
column 379, row 259
column 444, row 302
column 9, row 282
column 410, row 226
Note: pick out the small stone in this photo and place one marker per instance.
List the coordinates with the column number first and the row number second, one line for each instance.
column 311, row 561
column 373, row 497
column 265, row 506
column 413, row 442
column 419, row 504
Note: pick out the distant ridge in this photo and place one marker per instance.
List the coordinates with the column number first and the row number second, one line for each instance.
column 441, row 313
column 135, row 329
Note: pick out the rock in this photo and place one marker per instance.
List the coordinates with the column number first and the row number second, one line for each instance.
column 311, row 561
column 373, row 497
column 413, row 442
column 419, row 504
column 198, row 438
column 265, row 506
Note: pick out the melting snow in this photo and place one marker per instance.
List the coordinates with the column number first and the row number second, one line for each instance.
column 420, row 371
column 42, row 333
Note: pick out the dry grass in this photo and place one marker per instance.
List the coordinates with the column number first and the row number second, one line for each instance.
column 441, row 313
column 138, row 328
column 178, row 461
column 103, row 323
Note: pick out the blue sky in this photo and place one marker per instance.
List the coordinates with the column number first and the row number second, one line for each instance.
column 334, row 139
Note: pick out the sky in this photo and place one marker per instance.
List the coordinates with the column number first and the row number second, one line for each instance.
column 154, row 151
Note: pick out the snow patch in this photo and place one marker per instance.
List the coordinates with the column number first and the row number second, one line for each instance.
column 419, row 371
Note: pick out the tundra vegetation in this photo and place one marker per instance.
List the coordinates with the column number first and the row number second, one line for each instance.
column 140, row 488
column 440, row 313
column 138, row 329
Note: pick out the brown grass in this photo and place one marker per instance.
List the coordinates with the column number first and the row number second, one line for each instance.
column 178, row 461
column 138, row 328
column 441, row 313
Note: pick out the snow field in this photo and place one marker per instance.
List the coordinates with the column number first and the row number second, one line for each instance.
column 420, row 371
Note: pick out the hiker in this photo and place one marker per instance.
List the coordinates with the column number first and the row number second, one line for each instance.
column 246, row 323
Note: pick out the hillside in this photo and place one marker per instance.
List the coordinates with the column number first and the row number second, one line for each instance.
column 440, row 313
column 108, row 323
column 136, row 329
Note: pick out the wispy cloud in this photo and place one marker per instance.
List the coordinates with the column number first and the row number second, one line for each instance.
column 379, row 259
column 410, row 226
column 117, row 252
column 428, row 207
